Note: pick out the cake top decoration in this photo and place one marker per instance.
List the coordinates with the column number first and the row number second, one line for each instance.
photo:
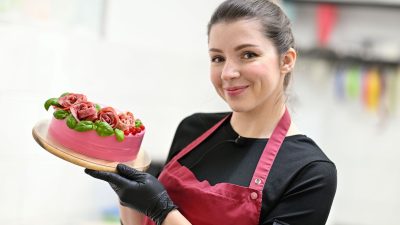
column 83, row 115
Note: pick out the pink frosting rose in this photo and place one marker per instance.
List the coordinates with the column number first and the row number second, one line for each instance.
column 109, row 115
column 84, row 111
column 126, row 121
column 68, row 100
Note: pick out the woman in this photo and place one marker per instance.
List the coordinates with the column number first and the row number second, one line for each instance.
column 250, row 166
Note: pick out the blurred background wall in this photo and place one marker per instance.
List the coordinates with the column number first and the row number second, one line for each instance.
column 150, row 57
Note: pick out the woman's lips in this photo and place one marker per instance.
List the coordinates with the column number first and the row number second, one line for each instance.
column 236, row 90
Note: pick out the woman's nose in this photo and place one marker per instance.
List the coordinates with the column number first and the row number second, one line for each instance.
column 229, row 71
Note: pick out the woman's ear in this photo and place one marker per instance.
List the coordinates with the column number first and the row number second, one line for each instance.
column 288, row 60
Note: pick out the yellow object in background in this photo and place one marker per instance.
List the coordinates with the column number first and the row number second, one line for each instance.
column 372, row 89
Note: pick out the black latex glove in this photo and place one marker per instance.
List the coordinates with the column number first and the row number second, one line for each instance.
column 138, row 190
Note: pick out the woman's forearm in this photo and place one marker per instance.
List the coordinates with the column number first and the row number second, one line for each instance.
column 175, row 218
column 130, row 217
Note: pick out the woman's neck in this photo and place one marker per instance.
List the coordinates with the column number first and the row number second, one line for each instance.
column 260, row 122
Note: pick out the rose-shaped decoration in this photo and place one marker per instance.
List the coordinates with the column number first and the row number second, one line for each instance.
column 109, row 115
column 126, row 121
column 68, row 100
column 84, row 111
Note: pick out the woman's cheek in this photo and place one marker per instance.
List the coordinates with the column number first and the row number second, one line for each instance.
column 215, row 78
column 257, row 69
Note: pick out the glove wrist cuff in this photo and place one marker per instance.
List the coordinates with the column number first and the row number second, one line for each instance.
column 162, row 209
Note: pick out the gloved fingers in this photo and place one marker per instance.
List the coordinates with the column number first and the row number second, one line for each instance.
column 130, row 173
column 112, row 178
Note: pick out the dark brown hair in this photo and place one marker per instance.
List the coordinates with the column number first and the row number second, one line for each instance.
column 276, row 25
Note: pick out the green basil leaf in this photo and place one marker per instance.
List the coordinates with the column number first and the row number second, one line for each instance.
column 96, row 124
column 66, row 93
column 60, row 114
column 71, row 121
column 84, row 126
column 138, row 123
column 50, row 102
column 119, row 134
column 98, row 107
column 104, row 129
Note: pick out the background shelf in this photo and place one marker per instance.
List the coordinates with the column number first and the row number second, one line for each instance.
column 382, row 4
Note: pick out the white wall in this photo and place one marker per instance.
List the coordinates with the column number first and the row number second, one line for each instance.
column 153, row 61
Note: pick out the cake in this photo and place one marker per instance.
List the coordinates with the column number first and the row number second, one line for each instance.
column 98, row 132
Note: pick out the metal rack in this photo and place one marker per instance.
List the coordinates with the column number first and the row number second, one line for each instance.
column 361, row 57
column 380, row 4
column 328, row 54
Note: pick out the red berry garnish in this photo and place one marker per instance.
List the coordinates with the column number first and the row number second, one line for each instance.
column 138, row 130
column 142, row 127
column 126, row 132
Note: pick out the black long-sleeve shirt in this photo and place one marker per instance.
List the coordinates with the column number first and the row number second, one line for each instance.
column 301, row 184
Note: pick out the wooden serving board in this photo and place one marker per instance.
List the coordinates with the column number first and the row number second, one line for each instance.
column 39, row 132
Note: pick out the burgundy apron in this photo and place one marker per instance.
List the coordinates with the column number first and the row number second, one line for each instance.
column 223, row 203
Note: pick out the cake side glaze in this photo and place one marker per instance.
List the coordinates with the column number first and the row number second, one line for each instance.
column 90, row 144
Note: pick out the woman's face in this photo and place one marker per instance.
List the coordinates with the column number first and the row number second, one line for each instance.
column 245, row 67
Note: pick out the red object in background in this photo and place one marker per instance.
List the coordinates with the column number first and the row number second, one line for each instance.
column 326, row 20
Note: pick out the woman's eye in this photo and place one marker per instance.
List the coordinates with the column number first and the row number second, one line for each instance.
column 217, row 59
column 249, row 55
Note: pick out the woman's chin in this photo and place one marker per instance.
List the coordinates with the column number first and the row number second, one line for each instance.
column 238, row 108
column 237, row 105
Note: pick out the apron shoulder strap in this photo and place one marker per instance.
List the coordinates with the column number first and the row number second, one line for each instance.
column 269, row 153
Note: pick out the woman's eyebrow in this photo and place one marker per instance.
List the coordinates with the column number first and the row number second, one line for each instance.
column 244, row 46
column 215, row 50
column 236, row 48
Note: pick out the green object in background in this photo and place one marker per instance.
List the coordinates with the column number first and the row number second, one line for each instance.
column 353, row 82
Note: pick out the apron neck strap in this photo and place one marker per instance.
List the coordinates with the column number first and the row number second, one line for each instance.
column 270, row 151
column 199, row 140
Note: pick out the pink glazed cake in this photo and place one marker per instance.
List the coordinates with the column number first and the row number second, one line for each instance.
column 86, row 128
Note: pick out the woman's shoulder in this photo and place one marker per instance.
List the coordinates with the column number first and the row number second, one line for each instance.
column 301, row 153
column 302, row 148
column 301, row 173
column 297, row 153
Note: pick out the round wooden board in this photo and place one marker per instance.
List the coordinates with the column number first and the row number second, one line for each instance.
column 39, row 132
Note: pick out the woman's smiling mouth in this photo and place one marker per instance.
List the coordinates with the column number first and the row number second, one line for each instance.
column 235, row 90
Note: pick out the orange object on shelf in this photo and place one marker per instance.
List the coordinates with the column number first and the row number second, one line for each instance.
column 372, row 88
